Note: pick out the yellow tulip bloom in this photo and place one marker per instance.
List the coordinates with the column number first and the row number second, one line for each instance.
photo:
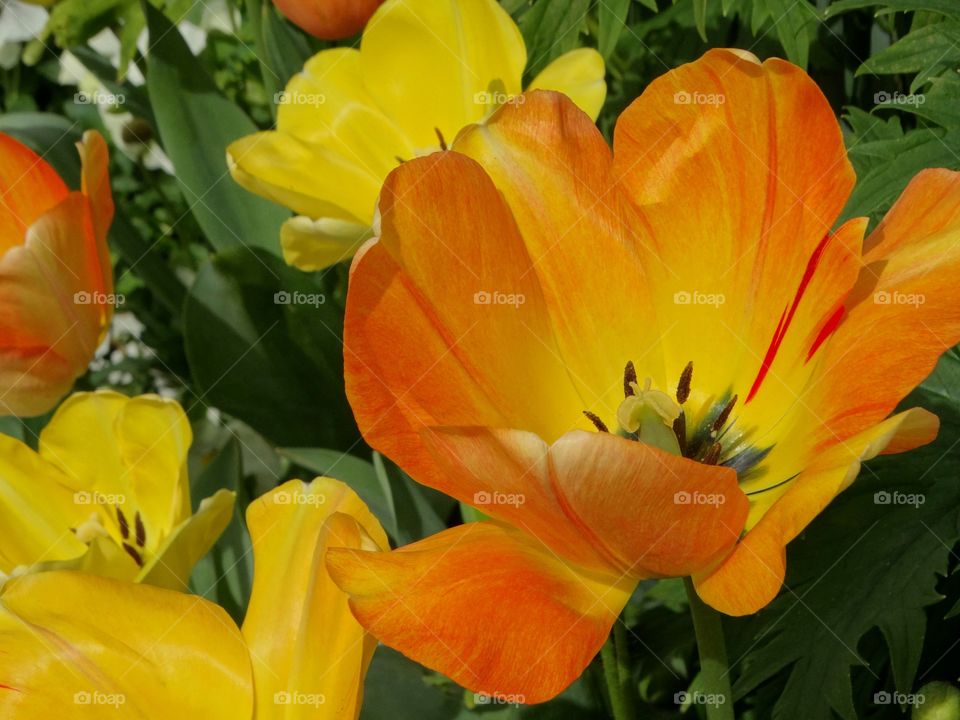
column 79, row 646
column 425, row 70
column 108, row 493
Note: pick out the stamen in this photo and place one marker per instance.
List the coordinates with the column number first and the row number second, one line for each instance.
column 132, row 552
column 629, row 378
column 683, row 387
column 443, row 143
column 124, row 527
column 713, row 454
column 597, row 422
column 400, row 160
column 680, row 430
column 724, row 414
column 141, row 530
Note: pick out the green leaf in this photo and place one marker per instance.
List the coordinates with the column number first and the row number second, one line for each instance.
column 263, row 341
column 791, row 19
column 551, row 28
column 196, row 124
column 225, row 574
column 867, row 562
column 613, row 19
column 53, row 137
column 399, row 689
column 946, row 7
column 932, row 46
column 419, row 510
column 359, row 474
column 700, row 17
column 287, row 49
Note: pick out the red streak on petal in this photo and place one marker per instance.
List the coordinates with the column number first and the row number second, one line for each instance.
column 7, row 687
column 787, row 318
column 826, row 331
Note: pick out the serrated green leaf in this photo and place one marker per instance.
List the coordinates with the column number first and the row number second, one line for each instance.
column 936, row 45
column 196, row 123
column 946, row 7
column 613, row 19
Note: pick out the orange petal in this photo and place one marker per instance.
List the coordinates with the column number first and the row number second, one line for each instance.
column 902, row 315
column 329, row 19
column 752, row 574
column 599, row 500
column 28, row 188
column 554, row 168
column 450, row 270
column 485, row 605
column 738, row 171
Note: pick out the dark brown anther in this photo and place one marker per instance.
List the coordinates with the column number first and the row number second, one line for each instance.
column 713, row 454
column 629, row 378
column 443, row 143
column 680, row 430
column 683, row 387
column 141, row 530
column 400, row 160
column 724, row 415
column 124, row 526
column 132, row 552
column 597, row 422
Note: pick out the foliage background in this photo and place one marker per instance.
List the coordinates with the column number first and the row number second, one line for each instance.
column 871, row 597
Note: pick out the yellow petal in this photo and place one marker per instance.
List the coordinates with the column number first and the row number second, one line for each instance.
column 428, row 63
column 578, row 74
column 318, row 244
column 173, row 561
column 308, row 652
column 79, row 646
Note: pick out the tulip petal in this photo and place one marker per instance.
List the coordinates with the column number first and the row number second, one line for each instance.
column 303, row 640
column 29, row 187
column 485, row 605
column 598, row 500
column 578, row 74
column 82, row 646
column 95, row 160
column 427, row 62
column 733, row 208
column 751, row 576
column 317, row 244
column 329, row 19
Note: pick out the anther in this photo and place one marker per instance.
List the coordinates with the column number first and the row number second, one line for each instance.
column 132, row 552
column 724, row 415
column 124, row 526
column 443, row 143
column 713, row 454
column 683, row 387
column 680, row 430
column 141, row 530
column 629, row 378
column 597, row 422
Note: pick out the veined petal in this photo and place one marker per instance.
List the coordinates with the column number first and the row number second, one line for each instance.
column 96, row 186
column 317, row 244
column 598, row 500
column 81, row 646
column 751, row 576
column 578, row 74
column 302, row 637
column 487, row 606
column 430, row 64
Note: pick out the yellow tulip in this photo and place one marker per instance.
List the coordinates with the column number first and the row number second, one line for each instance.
column 425, row 70
column 108, row 493
column 82, row 646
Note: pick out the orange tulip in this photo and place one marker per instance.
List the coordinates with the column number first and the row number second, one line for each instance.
column 329, row 19
column 530, row 290
column 56, row 282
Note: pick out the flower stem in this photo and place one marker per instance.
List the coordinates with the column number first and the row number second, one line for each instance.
column 611, row 673
column 714, row 674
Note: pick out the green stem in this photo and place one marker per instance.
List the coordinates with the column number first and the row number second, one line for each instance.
column 623, row 665
column 611, row 673
column 714, row 675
